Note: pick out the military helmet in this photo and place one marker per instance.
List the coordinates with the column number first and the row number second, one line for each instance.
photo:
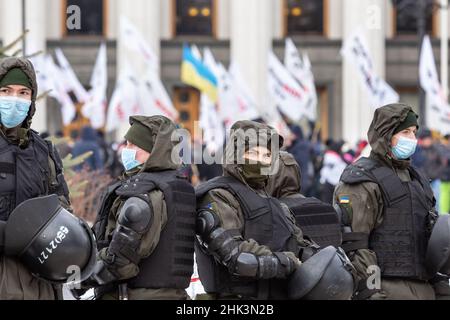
column 438, row 251
column 324, row 276
column 51, row 242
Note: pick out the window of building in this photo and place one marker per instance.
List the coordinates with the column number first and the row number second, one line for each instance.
column 406, row 17
column 91, row 17
column 187, row 101
column 323, row 112
column 304, row 16
column 410, row 96
column 194, row 17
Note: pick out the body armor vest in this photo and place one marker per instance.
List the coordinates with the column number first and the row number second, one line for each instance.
column 171, row 263
column 318, row 220
column 267, row 223
column 24, row 173
column 401, row 240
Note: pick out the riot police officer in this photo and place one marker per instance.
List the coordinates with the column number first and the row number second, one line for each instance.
column 30, row 167
column 388, row 211
column 248, row 244
column 146, row 224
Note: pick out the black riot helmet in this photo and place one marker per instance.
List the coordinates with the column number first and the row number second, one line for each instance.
column 51, row 242
column 324, row 276
column 438, row 250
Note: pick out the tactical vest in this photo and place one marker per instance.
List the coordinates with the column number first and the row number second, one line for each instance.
column 318, row 220
column 171, row 263
column 266, row 222
column 401, row 240
column 24, row 173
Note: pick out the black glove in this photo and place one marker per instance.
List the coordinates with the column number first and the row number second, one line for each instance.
column 100, row 276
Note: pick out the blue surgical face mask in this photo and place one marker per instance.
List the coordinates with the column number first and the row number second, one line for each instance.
column 405, row 148
column 129, row 159
column 13, row 111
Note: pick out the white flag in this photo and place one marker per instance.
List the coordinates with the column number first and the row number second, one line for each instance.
column 356, row 50
column 428, row 75
column 154, row 97
column 245, row 102
column 300, row 69
column 43, row 76
column 134, row 40
column 211, row 124
column 70, row 78
column 242, row 89
column 95, row 107
column 234, row 104
column 116, row 115
column 437, row 107
column 437, row 114
column 210, row 62
column 125, row 99
column 285, row 90
column 196, row 52
column 210, row 120
column 50, row 78
column 273, row 118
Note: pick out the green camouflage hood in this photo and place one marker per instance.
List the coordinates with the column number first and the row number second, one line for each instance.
column 385, row 121
column 26, row 66
column 240, row 138
column 161, row 129
column 287, row 181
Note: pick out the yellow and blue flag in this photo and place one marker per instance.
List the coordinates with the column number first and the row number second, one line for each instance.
column 344, row 199
column 196, row 74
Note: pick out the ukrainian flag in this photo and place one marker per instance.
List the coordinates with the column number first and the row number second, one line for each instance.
column 196, row 74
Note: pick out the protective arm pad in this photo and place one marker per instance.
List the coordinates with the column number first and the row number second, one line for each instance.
column 224, row 246
column 135, row 218
column 136, row 214
column 206, row 222
column 344, row 218
column 276, row 265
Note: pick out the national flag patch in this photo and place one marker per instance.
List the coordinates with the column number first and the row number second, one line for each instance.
column 344, row 199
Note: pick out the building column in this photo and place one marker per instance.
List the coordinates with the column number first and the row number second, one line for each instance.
column 223, row 17
column 335, row 19
column 251, row 40
column 145, row 16
column 10, row 22
column 55, row 20
column 36, row 16
column 11, row 28
column 357, row 114
column 166, row 20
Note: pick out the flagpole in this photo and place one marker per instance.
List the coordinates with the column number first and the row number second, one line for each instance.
column 444, row 46
column 24, row 39
column 421, row 31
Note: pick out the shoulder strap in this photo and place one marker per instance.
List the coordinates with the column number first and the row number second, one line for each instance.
column 45, row 145
column 369, row 170
column 145, row 182
column 424, row 182
column 99, row 227
column 57, row 183
column 172, row 184
column 359, row 172
column 6, row 167
column 203, row 188
column 390, row 184
column 3, row 142
column 248, row 199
